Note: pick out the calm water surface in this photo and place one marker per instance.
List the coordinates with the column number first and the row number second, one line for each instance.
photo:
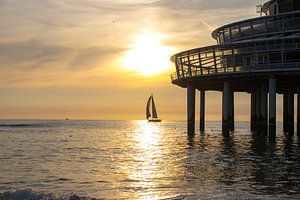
column 141, row 160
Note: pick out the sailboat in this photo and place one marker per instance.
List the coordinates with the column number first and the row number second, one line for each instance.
column 151, row 117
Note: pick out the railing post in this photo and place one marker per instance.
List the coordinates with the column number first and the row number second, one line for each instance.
column 189, row 66
column 215, row 62
column 177, row 67
column 200, row 62
column 181, row 65
column 233, row 59
column 221, row 60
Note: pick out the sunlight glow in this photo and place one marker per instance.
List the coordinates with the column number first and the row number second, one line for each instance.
column 147, row 55
column 148, row 146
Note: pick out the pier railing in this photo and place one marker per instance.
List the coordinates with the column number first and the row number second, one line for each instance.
column 267, row 26
column 254, row 56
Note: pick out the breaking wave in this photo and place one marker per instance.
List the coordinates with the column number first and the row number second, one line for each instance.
column 30, row 195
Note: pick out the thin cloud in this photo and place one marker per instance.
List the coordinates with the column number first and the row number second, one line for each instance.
column 32, row 53
column 201, row 5
column 88, row 58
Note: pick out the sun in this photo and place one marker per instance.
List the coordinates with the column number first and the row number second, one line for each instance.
column 148, row 56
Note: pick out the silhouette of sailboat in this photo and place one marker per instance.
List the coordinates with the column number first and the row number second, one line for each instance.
column 151, row 117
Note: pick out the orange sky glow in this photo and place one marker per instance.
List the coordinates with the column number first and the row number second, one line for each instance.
column 100, row 59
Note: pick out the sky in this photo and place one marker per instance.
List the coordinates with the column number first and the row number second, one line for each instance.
column 101, row 59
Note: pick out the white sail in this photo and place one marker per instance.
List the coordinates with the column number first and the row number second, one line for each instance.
column 151, row 116
column 148, row 114
column 154, row 113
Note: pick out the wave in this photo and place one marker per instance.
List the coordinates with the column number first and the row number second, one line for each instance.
column 16, row 125
column 23, row 125
column 30, row 195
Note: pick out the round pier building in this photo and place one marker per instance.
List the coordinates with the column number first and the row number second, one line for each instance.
column 260, row 56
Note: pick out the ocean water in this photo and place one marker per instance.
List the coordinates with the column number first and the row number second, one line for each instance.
column 141, row 160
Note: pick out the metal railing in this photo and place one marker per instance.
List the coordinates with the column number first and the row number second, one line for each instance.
column 254, row 56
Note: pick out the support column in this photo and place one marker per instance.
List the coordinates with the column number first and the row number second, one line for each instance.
column 231, row 111
column 202, row 110
column 291, row 112
column 226, row 108
column 258, row 110
column 272, row 108
column 285, row 112
column 253, row 111
column 264, row 107
column 298, row 113
column 191, row 109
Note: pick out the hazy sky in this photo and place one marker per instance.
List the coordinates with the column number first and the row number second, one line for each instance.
column 65, row 58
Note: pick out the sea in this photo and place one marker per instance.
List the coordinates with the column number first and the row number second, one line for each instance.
column 77, row 159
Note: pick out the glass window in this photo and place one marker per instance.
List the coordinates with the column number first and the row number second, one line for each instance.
column 293, row 56
column 285, row 6
column 235, row 32
column 221, row 38
column 238, row 60
column 296, row 5
column 246, row 30
column 249, row 60
column 226, row 35
column 274, row 25
column 275, row 57
column 262, row 59
column 259, row 28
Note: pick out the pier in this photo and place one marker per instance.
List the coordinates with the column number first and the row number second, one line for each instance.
column 259, row 56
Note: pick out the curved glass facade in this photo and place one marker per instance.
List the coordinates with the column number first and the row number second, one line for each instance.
column 269, row 26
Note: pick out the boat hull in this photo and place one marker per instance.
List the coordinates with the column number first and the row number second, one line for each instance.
column 154, row 120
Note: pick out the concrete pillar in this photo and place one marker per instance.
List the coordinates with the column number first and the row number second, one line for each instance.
column 285, row 112
column 264, row 107
column 231, row 111
column 253, row 111
column 258, row 109
column 272, row 108
column 226, row 108
column 202, row 110
column 191, row 109
column 291, row 112
column 298, row 113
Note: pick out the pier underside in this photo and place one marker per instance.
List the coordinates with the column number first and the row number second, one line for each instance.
column 263, row 88
column 243, row 82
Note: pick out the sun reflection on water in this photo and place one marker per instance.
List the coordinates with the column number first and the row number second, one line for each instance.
column 147, row 136
column 148, row 152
